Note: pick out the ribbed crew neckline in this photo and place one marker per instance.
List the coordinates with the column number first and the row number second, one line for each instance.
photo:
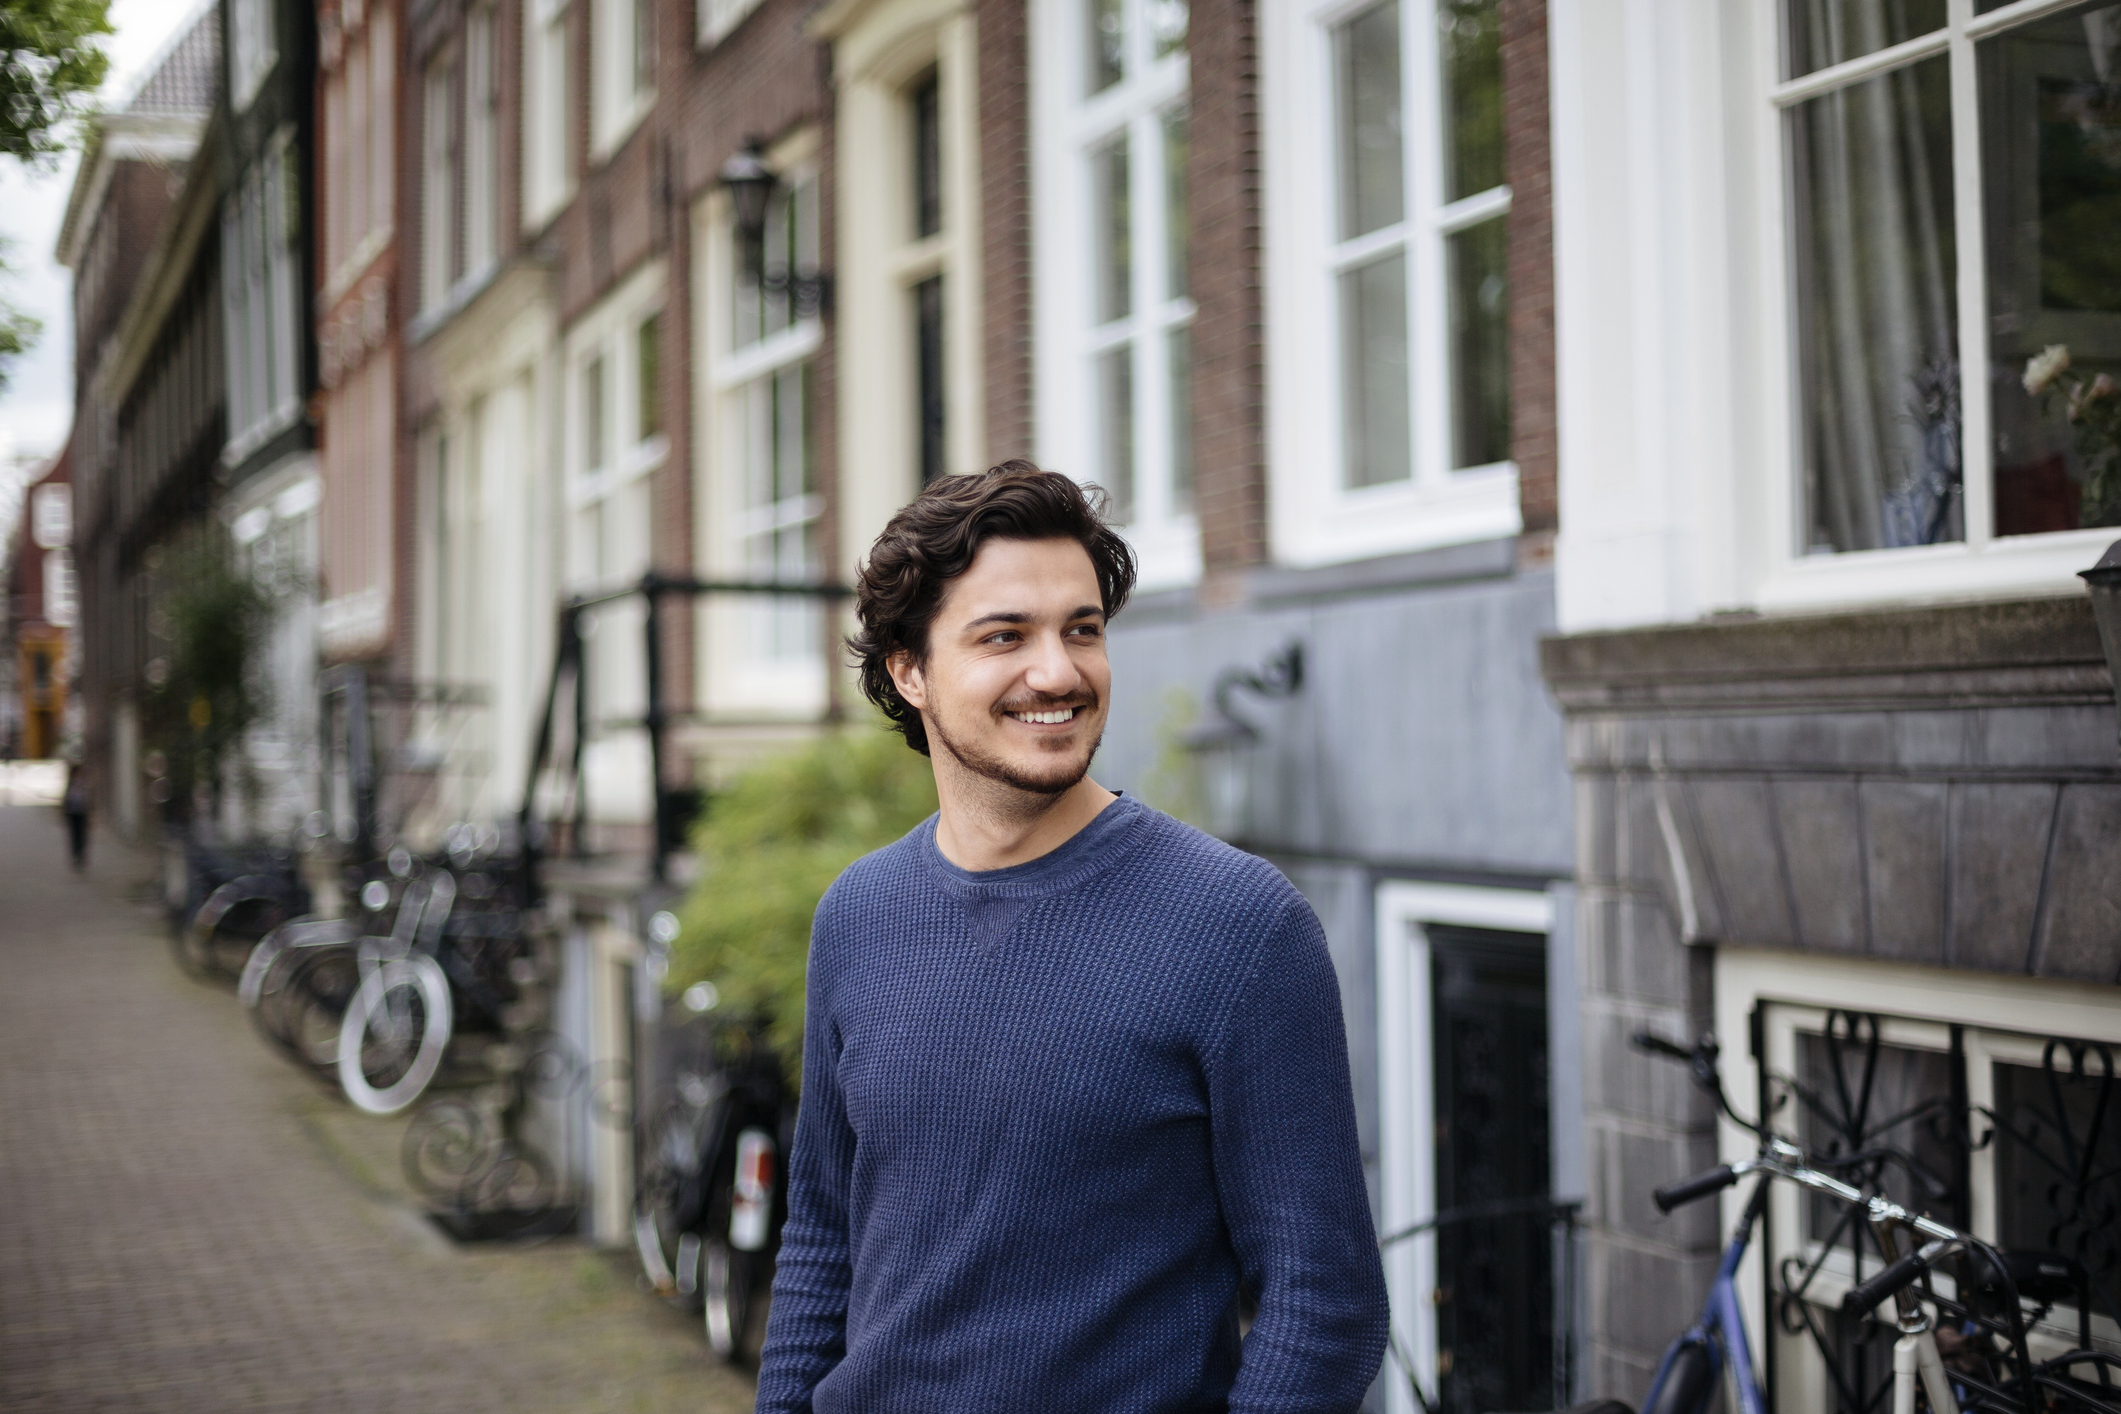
column 1076, row 858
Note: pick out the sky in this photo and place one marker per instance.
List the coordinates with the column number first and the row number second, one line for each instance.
column 37, row 406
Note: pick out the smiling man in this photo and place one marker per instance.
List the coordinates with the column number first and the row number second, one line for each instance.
column 1075, row 1080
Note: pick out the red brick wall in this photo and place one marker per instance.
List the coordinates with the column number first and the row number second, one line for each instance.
column 1229, row 390
column 1528, row 160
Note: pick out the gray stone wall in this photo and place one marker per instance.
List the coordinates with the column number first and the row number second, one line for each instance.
column 1422, row 744
column 1935, row 786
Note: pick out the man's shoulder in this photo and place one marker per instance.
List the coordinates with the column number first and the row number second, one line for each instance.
column 1219, row 877
column 877, row 874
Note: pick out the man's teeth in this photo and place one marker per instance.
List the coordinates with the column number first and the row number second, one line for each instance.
column 1046, row 718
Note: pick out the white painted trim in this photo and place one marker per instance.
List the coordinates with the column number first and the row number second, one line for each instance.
column 1066, row 124
column 1314, row 517
column 1405, row 1101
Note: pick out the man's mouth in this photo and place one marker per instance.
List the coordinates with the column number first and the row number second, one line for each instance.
column 1052, row 717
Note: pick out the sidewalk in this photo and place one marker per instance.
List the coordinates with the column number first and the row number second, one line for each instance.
column 188, row 1224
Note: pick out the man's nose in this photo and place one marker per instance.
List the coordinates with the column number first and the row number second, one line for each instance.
column 1051, row 670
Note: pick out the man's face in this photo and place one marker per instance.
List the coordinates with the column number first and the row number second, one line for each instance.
column 1016, row 683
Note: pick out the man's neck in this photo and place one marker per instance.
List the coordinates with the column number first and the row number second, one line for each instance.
column 984, row 824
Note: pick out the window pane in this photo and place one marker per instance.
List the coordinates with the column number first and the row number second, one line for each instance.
column 643, row 45
column 928, row 324
column 1373, row 319
column 1372, row 164
column 1167, row 25
column 1818, row 34
column 1115, row 423
column 593, row 414
column 2058, row 1158
column 927, row 157
column 1181, row 357
column 1471, row 51
column 1852, row 1101
column 1178, row 224
column 2051, row 181
column 1106, row 43
column 1871, row 191
column 648, row 405
column 1114, row 254
column 1480, row 345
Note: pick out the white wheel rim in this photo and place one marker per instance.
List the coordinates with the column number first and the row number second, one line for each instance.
column 420, row 973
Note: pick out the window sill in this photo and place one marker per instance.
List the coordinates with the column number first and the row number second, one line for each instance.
column 619, row 126
column 1467, row 506
column 2017, row 566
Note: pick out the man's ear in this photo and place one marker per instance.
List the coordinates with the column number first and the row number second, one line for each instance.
column 906, row 676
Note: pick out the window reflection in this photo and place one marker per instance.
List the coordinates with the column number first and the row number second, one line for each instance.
column 1372, row 166
column 1877, row 323
column 2051, row 160
column 1818, row 34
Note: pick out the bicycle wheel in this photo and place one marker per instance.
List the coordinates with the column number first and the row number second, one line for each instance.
column 395, row 1031
column 730, row 1284
column 1689, row 1384
column 669, row 1196
column 306, row 1014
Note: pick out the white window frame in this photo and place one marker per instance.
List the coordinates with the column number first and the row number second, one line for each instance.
column 438, row 180
column 260, row 270
column 1406, row 1103
column 619, row 101
column 1916, row 1005
column 1068, row 127
column 1983, row 565
column 253, row 49
column 548, row 159
column 879, row 51
column 481, row 147
column 1314, row 516
column 615, row 762
column 733, row 680
column 715, row 20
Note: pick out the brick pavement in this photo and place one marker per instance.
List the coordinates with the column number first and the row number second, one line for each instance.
column 188, row 1224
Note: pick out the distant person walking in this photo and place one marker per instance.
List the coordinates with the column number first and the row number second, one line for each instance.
column 75, row 804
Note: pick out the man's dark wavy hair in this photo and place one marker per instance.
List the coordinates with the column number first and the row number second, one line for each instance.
column 932, row 542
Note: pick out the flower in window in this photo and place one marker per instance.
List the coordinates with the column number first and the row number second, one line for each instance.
column 2045, row 367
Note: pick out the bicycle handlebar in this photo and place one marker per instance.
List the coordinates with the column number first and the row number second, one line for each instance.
column 1889, row 1282
column 1689, row 1190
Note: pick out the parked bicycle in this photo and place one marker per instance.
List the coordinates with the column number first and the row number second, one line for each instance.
column 711, row 1193
column 438, row 948
column 1988, row 1366
column 230, row 898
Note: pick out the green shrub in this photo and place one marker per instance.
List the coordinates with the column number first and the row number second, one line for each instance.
column 769, row 846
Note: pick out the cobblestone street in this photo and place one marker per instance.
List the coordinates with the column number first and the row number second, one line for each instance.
column 188, row 1224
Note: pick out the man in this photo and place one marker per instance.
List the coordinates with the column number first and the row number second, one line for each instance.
column 1075, row 1078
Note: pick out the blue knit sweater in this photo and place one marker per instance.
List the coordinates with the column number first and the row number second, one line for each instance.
column 1054, row 1117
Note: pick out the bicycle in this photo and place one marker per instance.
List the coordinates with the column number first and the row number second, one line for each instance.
column 711, row 1193
column 1689, row 1374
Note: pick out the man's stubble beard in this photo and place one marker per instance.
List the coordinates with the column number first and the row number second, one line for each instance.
column 993, row 768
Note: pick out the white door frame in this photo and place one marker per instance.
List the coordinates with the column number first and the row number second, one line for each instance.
column 1405, row 1102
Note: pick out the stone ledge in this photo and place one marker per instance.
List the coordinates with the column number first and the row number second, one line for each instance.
column 2031, row 650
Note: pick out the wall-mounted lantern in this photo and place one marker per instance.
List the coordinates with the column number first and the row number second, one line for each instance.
column 1224, row 743
column 751, row 185
column 2104, row 582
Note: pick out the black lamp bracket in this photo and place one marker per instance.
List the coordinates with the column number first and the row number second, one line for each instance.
column 1280, row 676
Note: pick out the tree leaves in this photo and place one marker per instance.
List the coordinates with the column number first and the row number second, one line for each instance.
column 50, row 65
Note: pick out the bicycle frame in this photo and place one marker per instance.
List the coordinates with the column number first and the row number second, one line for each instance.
column 1721, row 1329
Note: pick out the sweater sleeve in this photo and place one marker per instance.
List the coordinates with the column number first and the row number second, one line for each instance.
column 806, row 1335
column 1288, row 1171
